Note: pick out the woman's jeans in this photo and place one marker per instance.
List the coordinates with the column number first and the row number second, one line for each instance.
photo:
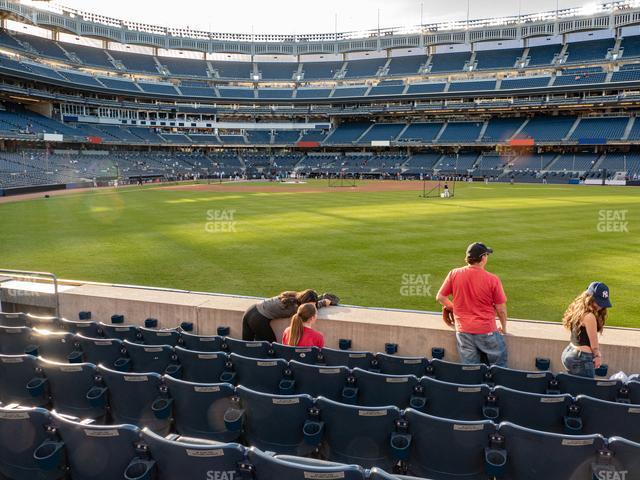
column 578, row 363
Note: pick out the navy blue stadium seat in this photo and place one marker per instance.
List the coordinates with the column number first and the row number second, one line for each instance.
column 394, row 365
column 14, row 319
column 318, row 380
column 268, row 467
column 23, row 432
column 121, row 332
column 74, row 389
column 602, row 389
column 192, row 458
column 379, row 390
column 167, row 336
column 203, row 367
column 248, row 349
column 277, row 423
column 455, row 400
column 51, row 324
column 264, row 375
column 102, row 452
column 301, row 354
column 609, row 418
column 138, row 399
column 346, row 358
column 83, row 327
column 525, row 381
column 533, row 410
column 152, row 358
column 447, row 449
column 15, row 340
column 532, row 455
column 626, row 459
column 202, row 343
column 359, row 435
column 109, row 352
column 634, row 392
column 199, row 409
column 21, row 382
column 56, row 346
column 457, row 372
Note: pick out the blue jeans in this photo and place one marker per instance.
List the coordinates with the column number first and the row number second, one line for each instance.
column 578, row 363
column 471, row 346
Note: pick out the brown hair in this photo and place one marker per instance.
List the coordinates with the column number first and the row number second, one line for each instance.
column 298, row 298
column 581, row 305
column 306, row 312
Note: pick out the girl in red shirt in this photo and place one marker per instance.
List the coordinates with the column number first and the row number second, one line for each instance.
column 300, row 332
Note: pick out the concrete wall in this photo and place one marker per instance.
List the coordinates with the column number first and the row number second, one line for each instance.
column 369, row 329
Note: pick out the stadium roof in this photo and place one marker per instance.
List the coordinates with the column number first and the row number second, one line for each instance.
column 591, row 17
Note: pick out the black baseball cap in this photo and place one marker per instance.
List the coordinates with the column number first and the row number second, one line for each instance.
column 600, row 293
column 477, row 250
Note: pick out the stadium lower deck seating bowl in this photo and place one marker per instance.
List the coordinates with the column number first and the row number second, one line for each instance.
column 325, row 406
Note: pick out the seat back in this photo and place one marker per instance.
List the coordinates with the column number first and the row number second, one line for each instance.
column 264, row 427
column 23, row 431
column 150, row 358
column 56, row 346
column 87, row 328
column 524, row 381
column 626, row 457
column 379, row 390
column 99, row 452
column 392, row 365
column 359, row 435
column 121, row 332
column 532, row 454
column 318, row 380
column 74, row 390
column 247, row 349
column 457, row 372
column 21, row 382
column 346, row 358
column 454, row 400
column 193, row 458
column 301, row 354
column 533, row 410
column 14, row 319
column 138, row 399
column 199, row 409
column 109, row 352
column 262, row 375
column 609, row 418
column 201, row 367
column 51, row 324
column 202, row 343
column 267, row 467
column 447, row 448
column 166, row 336
column 634, row 392
column 15, row 340
column 602, row 389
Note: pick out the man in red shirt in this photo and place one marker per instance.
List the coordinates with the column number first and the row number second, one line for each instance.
column 477, row 297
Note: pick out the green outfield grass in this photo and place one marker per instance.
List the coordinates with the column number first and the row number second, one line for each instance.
column 362, row 246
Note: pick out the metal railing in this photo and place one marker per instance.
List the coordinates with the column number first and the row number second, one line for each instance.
column 36, row 277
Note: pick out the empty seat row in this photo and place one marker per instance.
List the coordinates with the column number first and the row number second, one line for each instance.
column 198, row 409
column 37, row 444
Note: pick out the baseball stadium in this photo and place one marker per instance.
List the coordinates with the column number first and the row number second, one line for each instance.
column 394, row 253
